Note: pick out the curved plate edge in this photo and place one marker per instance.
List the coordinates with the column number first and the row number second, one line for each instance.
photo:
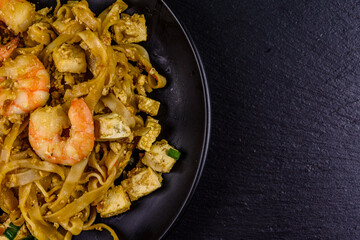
column 206, row 138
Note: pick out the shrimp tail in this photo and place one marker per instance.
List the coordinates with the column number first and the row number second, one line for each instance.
column 7, row 49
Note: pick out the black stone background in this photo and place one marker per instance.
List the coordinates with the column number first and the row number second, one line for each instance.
column 284, row 79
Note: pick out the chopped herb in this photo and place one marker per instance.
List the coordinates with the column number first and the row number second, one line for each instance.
column 174, row 154
column 11, row 231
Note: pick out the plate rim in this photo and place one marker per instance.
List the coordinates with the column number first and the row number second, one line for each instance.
column 207, row 121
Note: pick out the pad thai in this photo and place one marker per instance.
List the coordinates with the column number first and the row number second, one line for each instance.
column 75, row 116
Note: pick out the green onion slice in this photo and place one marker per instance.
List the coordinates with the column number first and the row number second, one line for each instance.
column 11, row 231
column 174, row 154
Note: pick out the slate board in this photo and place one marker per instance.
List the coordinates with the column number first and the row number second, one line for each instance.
column 284, row 79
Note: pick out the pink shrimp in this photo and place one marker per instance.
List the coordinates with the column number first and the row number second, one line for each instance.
column 24, row 85
column 7, row 49
column 45, row 133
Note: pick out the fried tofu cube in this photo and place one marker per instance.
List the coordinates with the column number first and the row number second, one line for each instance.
column 130, row 29
column 70, row 58
column 157, row 158
column 116, row 201
column 142, row 183
column 110, row 127
column 148, row 105
column 147, row 140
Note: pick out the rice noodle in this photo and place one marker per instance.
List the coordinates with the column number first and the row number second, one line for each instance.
column 23, row 178
column 30, row 164
column 8, row 143
column 100, row 226
column 118, row 107
column 79, row 204
column 31, row 212
column 69, row 185
column 85, row 15
column 94, row 164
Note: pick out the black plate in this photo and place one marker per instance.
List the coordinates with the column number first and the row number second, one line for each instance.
column 184, row 116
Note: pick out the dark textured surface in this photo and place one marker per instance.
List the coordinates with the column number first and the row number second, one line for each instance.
column 284, row 79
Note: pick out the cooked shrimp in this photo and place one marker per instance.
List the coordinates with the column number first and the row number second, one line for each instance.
column 46, row 128
column 18, row 15
column 24, row 85
column 7, row 49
